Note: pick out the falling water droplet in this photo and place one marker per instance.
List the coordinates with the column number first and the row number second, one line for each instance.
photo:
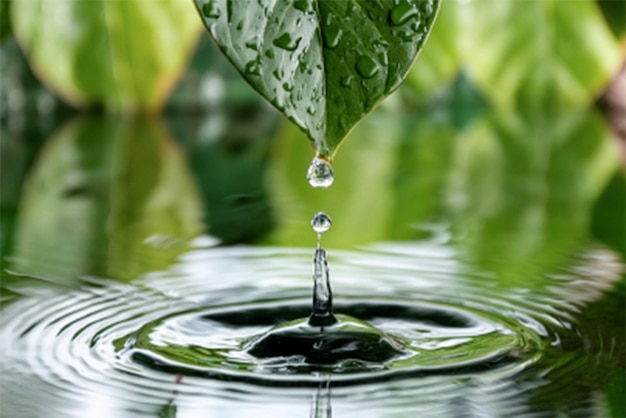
column 332, row 36
column 287, row 86
column 321, row 222
column 310, row 110
column 287, row 42
column 320, row 173
column 211, row 10
column 270, row 54
column 366, row 66
column 401, row 13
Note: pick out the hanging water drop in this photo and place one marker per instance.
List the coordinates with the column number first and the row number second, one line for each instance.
column 320, row 173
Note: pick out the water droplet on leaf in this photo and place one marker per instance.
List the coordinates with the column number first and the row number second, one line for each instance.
column 320, row 173
column 332, row 36
column 346, row 81
column 366, row 66
column 302, row 5
column 253, row 43
column 211, row 10
column 321, row 222
column 253, row 68
column 401, row 13
column 287, row 42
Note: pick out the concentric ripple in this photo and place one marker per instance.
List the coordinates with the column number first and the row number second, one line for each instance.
column 190, row 335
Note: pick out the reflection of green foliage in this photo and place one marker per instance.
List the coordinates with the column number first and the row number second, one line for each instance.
column 522, row 190
column 518, row 190
column 106, row 197
column 230, row 176
column 124, row 55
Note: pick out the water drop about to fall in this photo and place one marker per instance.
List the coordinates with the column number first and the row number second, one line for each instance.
column 320, row 173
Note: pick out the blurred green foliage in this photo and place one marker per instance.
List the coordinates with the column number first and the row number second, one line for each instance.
column 122, row 55
column 522, row 54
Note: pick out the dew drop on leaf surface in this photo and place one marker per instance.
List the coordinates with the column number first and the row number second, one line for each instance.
column 287, row 42
column 401, row 13
column 366, row 66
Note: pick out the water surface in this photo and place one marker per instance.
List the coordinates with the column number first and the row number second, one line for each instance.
column 141, row 267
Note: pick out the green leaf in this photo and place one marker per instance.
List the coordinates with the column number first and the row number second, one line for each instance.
column 439, row 61
column 558, row 53
column 325, row 64
column 123, row 55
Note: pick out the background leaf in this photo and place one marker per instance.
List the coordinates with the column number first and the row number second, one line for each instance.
column 549, row 52
column 124, row 55
column 324, row 64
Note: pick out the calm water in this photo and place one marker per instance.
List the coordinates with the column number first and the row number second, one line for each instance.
column 143, row 262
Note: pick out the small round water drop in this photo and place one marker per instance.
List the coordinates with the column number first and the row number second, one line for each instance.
column 401, row 13
column 253, row 67
column 320, row 173
column 321, row 222
column 287, row 42
column 332, row 36
column 211, row 10
column 366, row 66
column 346, row 81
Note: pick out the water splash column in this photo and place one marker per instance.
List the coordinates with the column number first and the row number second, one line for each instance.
column 322, row 314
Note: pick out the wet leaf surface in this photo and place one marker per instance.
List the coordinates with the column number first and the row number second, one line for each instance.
column 324, row 64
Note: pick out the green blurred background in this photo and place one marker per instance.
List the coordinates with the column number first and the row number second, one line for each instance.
column 126, row 133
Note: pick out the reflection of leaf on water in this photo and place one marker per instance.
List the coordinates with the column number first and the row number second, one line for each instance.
column 106, row 197
column 517, row 190
column 522, row 189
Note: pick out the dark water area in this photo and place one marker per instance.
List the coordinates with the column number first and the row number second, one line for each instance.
column 480, row 265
